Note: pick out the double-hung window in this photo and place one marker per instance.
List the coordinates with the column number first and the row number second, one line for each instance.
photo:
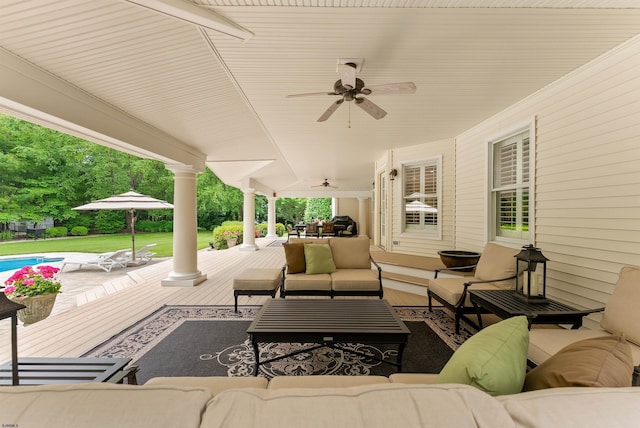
column 421, row 196
column 510, row 187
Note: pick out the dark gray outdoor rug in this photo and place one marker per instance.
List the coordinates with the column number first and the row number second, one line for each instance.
column 212, row 341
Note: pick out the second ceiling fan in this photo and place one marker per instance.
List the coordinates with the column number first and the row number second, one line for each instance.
column 350, row 88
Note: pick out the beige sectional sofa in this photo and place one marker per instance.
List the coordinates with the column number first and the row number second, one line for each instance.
column 621, row 316
column 318, row 401
column 354, row 272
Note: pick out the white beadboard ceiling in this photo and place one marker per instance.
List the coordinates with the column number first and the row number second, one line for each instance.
column 222, row 99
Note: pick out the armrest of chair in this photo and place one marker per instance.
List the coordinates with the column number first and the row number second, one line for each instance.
column 470, row 283
column 379, row 269
column 459, row 268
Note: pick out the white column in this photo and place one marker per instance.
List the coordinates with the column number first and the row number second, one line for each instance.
column 185, row 271
column 271, row 217
column 363, row 215
column 249, row 215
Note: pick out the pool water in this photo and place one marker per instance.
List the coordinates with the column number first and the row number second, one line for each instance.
column 17, row 263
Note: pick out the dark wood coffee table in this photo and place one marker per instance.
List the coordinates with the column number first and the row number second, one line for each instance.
column 47, row 371
column 328, row 323
column 504, row 304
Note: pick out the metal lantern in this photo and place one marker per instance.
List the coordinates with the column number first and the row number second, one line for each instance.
column 531, row 287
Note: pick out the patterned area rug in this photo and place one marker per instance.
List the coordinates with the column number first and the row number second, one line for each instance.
column 212, row 340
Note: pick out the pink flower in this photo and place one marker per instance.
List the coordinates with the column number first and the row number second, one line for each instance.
column 28, row 282
column 9, row 289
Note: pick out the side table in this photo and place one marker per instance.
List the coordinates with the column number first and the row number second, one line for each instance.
column 504, row 304
column 9, row 308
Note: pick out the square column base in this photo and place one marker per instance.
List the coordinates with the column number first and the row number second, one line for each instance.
column 189, row 282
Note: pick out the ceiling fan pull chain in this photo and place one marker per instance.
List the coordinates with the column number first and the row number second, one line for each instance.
column 349, row 115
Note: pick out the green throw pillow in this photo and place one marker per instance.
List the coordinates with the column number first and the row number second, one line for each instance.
column 318, row 258
column 493, row 360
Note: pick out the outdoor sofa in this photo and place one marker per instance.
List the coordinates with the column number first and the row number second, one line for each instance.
column 480, row 386
column 330, row 267
column 311, row 401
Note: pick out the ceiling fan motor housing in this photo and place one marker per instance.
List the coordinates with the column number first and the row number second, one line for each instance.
column 341, row 90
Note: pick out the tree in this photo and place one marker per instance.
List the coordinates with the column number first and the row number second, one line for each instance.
column 290, row 210
column 319, row 208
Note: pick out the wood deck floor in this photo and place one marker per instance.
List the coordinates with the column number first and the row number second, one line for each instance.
column 74, row 332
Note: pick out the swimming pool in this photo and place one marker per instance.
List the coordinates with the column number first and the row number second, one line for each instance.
column 18, row 262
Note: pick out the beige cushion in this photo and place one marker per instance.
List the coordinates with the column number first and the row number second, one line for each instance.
column 497, row 262
column 419, row 378
column 355, row 279
column 324, row 381
column 545, row 342
column 257, row 279
column 102, row 405
column 601, row 361
column 621, row 314
column 370, row 406
column 450, row 289
column 301, row 281
column 294, row 256
column 215, row 384
column 310, row 240
column 574, row 407
column 351, row 253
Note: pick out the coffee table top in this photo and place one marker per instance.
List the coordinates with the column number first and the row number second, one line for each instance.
column 335, row 316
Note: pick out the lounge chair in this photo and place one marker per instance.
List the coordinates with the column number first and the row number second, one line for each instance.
column 144, row 254
column 496, row 270
column 105, row 261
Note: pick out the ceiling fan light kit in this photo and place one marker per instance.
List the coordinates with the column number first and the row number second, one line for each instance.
column 351, row 88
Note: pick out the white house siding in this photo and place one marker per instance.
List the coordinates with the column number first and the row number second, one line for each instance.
column 587, row 175
column 414, row 242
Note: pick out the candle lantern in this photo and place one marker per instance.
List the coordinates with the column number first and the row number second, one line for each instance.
column 531, row 283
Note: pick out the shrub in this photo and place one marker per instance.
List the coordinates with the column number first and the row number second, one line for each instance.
column 263, row 228
column 109, row 221
column 280, row 229
column 6, row 235
column 219, row 237
column 154, row 226
column 79, row 231
column 56, row 232
column 84, row 219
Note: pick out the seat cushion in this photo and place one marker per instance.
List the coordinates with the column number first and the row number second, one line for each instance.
column 497, row 262
column 355, row 279
column 215, row 384
column 318, row 259
column 493, row 360
column 450, row 289
column 621, row 314
column 371, row 406
column 350, row 253
column 294, row 256
column 324, row 381
column 602, row 362
column 301, row 281
column 102, row 405
column 257, row 279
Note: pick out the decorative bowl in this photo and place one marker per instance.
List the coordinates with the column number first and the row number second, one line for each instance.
column 459, row 258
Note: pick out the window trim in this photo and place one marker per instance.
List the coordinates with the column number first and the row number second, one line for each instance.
column 428, row 233
column 491, row 229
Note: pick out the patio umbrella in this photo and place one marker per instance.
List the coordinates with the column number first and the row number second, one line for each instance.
column 129, row 201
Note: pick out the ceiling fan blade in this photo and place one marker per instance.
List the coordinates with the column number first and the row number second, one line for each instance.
column 390, row 88
column 311, row 94
column 347, row 76
column 333, row 107
column 371, row 108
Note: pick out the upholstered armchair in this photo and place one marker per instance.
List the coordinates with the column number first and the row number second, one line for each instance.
column 311, row 230
column 495, row 270
column 328, row 229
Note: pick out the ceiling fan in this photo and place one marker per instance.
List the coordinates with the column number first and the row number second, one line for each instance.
column 325, row 184
column 350, row 88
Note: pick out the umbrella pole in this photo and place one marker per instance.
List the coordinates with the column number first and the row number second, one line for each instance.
column 133, row 235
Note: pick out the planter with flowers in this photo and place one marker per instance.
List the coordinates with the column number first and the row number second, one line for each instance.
column 36, row 288
column 231, row 237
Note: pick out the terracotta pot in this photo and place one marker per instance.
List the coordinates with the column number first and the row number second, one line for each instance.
column 37, row 307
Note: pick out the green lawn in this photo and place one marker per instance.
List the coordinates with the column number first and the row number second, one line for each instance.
column 99, row 244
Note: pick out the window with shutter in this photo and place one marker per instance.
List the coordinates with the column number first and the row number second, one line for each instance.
column 421, row 196
column 510, row 187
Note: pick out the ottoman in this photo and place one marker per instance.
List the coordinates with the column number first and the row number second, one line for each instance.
column 258, row 281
